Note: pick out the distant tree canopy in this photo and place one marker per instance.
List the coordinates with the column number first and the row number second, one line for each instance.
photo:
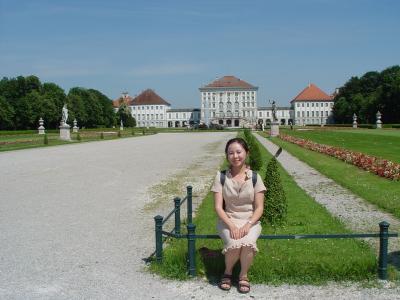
column 124, row 114
column 24, row 100
column 366, row 95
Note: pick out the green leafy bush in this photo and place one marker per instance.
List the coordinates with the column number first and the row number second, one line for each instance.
column 119, row 133
column 275, row 203
column 45, row 139
column 102, row 135
column 78, row 137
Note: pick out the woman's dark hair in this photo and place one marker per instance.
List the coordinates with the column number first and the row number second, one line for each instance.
column 240, row 141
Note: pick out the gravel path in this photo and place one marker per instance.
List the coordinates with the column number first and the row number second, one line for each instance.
column 73, row 223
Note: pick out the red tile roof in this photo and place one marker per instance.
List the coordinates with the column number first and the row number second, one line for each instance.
column 149, row 97
column 312, row 93
column 125, row 98
column 229, row 81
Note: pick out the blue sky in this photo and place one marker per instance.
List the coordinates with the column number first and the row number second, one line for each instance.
column 174, row 47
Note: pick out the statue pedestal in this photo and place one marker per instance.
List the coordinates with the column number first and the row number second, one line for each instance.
column 41, row 130
column 379, row 124
column 274, row 131
column 75, row 129
column 65, row 134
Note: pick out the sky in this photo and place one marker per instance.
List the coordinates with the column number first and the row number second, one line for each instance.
column 174, row 47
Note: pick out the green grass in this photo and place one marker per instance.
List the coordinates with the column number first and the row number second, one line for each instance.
column 377, row 190
column 380, row 143
column 279, row 261
column 15, row 140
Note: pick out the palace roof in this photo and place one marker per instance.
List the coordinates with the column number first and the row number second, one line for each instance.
column 125, row 98
column 149, row 97
column 229, row 81
column 312, row 93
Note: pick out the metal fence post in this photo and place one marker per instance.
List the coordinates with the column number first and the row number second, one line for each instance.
column 159, row 251
column 177, row 202
column 189, row 204
column 383, row 250
column 191, row 228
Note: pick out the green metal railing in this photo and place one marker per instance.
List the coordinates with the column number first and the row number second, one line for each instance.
column 191, row 236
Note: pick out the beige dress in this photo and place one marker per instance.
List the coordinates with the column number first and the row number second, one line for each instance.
column 239, row 206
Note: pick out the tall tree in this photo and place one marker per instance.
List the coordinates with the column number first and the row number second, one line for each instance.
column 366, row 95
column 6, row 114
column 124, row 114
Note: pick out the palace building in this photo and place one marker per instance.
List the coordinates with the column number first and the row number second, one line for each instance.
column 230, row 102
column 312, row 106
column 150, row 110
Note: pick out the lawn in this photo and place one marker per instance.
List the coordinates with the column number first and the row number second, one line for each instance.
column 15, row 140
column 279, row 261
column 383, row 143
column 380, row 191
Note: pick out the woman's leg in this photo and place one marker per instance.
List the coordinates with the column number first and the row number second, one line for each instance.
column 246, row 259
column 231, row 258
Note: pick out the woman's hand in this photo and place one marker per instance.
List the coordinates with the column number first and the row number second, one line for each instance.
column 235, row 232
column 244, row 230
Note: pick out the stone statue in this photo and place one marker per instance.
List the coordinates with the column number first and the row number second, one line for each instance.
column 64, row 114
column 274, row 118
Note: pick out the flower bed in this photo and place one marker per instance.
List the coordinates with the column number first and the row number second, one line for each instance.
column 382, row 167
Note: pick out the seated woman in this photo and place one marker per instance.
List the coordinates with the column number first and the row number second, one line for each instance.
column 239, row 205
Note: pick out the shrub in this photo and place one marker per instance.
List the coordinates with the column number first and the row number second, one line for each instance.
column 143, row 131
column 102, row 135
column 78, row 137
column 255, row 159
column 45, row 139
column 119, row 133
column 133, row 132
column 275, row 203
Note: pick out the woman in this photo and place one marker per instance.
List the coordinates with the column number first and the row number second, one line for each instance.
column 239, row 205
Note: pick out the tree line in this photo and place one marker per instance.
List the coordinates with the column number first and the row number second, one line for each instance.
column 365, row 96
column 24, row 100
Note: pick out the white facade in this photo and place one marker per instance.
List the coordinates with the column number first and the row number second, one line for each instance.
column 183, row 117
column 232, row 107
column 285, row 115
column 150, row 115
column 312, row 112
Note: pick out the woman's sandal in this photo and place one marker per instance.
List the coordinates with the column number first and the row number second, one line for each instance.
column 226, row 282
column 243, row 285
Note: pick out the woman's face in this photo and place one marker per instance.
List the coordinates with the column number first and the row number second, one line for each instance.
column 236, row 155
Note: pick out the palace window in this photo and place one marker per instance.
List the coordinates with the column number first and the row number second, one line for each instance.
column 308, row 104
column 302, row 105
column 298, row 114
